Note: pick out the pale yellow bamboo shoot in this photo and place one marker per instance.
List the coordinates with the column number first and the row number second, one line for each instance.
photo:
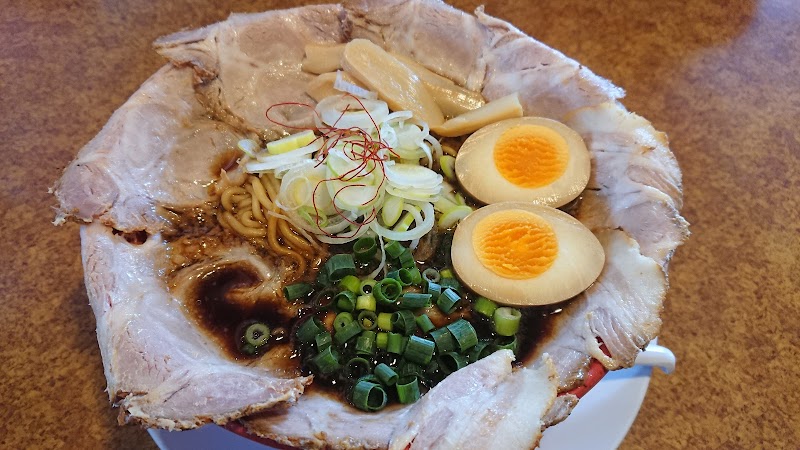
column 507, row 107
column 322, row 58
column 394, row 82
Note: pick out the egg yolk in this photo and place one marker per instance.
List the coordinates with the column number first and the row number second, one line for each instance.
column 531, row 156
column 515, row 244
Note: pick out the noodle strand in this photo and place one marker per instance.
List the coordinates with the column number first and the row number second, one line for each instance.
column 250, row 211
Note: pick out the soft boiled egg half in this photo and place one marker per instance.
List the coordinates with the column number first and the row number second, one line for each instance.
column 522, row 254
column 530, row 159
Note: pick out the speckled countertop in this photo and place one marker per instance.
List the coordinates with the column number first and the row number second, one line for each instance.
column 721, row 78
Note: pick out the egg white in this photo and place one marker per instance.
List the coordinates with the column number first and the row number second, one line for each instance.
column 577, row 265
column 478, row 175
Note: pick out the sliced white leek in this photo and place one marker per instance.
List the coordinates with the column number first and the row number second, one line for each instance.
column 346, row 112
column 391, row 210
column 453, row 216
column 249, row 147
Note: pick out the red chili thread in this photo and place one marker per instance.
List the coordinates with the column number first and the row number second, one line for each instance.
column 366, row 152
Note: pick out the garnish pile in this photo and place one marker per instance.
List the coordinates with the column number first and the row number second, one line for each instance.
column 387, row 340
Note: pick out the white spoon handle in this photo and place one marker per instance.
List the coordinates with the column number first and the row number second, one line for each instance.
column 656, row 355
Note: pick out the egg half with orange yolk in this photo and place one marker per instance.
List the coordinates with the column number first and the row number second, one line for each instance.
column 522, row 254
column 529, row 159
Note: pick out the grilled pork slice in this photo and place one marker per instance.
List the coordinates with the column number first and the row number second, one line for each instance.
column 485, row 405
column 158, row 148
column 252, row 61
column 161, row 369
column 550, row 84
column 621, row 309
column 635, row 183
column 321, row 420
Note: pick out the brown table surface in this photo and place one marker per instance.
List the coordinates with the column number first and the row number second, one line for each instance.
column 721, row 78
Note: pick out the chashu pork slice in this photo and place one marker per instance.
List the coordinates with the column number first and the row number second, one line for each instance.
column 550, row 84
column 621, row 309
column 251, row 61
column 162, row 370
column 158, row 148
column 485, row 405
column 635, row 183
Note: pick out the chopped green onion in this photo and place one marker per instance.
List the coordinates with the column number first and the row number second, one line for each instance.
column 396, row 275
column 356, row 368
column 297, row 291
column 419, row 350
column 351, row 283
column 415, row 275
column 464, row 333
column 412, row 300
column 407, row 260
column 408, row 390
column 386, row 374
column 435, row 289
column 395, row 343
column 424, row 323
column 481, row 350
column 323, row 341
column 391, row 210
column 394, row 249
column 326, row 362
column 506, row 321
column 451, row 362
column 381, row 340
column 348, row 332
column 366, row 302
column 248, row 349
column 369, row 377
column 385, row 321
column 432, row 275
column 309, row 330
column 451, row 283
column 505, row 343
column 365, row 249
column 404, row 223
column 403, row 321
column 387, row 291
column 345, row 301
column 433, row 372
column 408, row 368
column 323, row 298
column 365, row 344
column 485, row 307
column 322, row 279
column 445, row 342
column 446, row 273
column 448, row 165
column 368, row 320
column 369, row 396
column 342, row 320
column 401, row 275
column 338, row 266
column 256, row 334
column 366, row 287
column 447, row 301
